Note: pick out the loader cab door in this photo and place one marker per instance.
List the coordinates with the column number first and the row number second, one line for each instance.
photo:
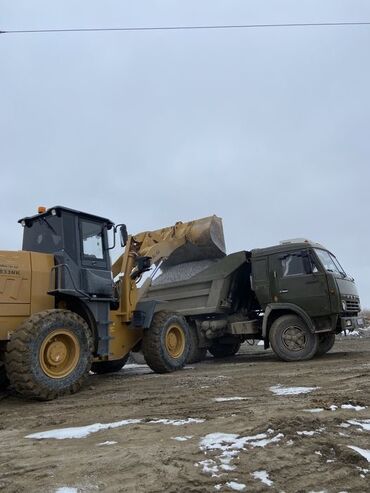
column 297, row 279
column 96, row 275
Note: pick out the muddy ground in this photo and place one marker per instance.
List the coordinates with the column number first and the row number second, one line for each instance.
column 150, row 457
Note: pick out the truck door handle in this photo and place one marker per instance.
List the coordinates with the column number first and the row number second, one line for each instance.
column 283, row 291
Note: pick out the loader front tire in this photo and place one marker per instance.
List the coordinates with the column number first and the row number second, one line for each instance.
column 109, row 366
column 166, row 344
column 50, row 354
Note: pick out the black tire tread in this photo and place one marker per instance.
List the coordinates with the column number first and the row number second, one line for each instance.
column 275, row 343
column 152, row 346
column 18, row 363
column 219, row 350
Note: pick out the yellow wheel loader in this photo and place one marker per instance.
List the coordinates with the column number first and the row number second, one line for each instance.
column 64, row 309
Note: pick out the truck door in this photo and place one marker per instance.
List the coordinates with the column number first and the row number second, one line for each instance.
column 298, row 280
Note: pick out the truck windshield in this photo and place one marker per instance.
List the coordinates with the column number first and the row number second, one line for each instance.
column 329, row 262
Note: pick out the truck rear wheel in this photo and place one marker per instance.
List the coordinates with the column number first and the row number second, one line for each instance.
column 219, row 350
column 50, row 354
column 326, row 342
column 109, row 366
column 4, row 382
column 166, row 344
column 196, row 353
column 292, row 340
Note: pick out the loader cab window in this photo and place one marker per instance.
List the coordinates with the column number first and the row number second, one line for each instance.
column 92, row 240
column 43, row 235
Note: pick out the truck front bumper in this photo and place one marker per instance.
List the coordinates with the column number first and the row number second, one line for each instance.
column 352, row 323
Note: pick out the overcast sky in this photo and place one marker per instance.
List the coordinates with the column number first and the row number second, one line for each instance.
column 267, row 128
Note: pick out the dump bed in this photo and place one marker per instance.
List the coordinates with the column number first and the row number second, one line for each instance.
column 209, row 292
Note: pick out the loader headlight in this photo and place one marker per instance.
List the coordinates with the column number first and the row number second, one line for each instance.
column 344, row 305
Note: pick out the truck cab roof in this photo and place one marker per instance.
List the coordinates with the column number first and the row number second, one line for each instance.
column 286, row 246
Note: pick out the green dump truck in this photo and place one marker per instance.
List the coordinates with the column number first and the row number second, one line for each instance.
column 294, row 297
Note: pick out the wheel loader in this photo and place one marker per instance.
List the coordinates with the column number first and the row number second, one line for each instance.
column 65, row 309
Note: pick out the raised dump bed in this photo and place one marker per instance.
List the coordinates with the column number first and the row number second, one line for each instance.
column 217, row 289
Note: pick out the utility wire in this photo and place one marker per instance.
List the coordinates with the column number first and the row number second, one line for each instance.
column 185, row 28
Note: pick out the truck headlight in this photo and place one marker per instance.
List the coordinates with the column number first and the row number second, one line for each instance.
column 344, row 305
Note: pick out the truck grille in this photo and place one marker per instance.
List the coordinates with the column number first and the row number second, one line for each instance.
column 353, row 305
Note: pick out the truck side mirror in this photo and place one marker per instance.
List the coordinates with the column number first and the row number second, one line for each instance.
column 123, row 234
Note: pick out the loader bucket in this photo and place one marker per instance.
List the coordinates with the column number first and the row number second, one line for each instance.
column 204, row 239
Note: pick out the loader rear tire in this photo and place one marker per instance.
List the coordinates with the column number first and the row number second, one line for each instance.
column 326, row 342
column 166, row 344
column 196, row 353
column 109, row 366
column 219, row 350
column 49, row 355
column 292, row 340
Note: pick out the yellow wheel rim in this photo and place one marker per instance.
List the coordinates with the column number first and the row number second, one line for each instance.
column 59, row 353
column 175, row 341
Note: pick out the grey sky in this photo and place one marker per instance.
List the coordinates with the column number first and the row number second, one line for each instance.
column 269, row 129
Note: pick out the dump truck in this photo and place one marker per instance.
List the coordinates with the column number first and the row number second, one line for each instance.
column 65, row 309
column 294, row 297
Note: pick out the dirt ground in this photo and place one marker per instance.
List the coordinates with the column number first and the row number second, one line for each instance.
column 159, row 456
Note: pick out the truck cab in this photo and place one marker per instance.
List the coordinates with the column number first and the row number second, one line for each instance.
column 304, row 277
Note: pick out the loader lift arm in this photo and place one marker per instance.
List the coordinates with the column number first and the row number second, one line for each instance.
column 183, row 242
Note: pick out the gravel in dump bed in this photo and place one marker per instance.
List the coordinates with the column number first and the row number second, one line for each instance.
column 182, row 272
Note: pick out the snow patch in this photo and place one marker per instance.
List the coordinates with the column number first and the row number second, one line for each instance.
column 352, row 407
column 182, row 439
column 225, row 399
column 229, row 445
column 314, row 410
column 365, row 453
column 106, row 443
column 236, row 486
column 177, row 422
column 66, row 489
column 262, row 476
column 80, row 431
column 84, row 431
column 280, row 390
column 363, row 423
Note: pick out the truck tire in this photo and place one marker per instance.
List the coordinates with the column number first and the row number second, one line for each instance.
column 4, row 382
column 196, row 353
column 109, row 366
column 166, row 344
column 326, row 342
column 219, row 350
column 292, row 340
column 49, row 355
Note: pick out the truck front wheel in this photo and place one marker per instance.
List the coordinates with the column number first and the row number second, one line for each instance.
column 326, row 342
column 291, row 339
column 49, row 354
column 166, row 344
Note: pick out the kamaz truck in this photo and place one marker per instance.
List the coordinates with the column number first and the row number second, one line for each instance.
column 294, row 296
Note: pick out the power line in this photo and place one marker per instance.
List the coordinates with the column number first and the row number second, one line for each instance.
column 186, row 28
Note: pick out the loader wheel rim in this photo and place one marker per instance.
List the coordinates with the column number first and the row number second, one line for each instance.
column 294, row 338
column 175, row 341
column 59, row 353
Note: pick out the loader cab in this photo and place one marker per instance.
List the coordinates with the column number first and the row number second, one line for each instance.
column 79, row 243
